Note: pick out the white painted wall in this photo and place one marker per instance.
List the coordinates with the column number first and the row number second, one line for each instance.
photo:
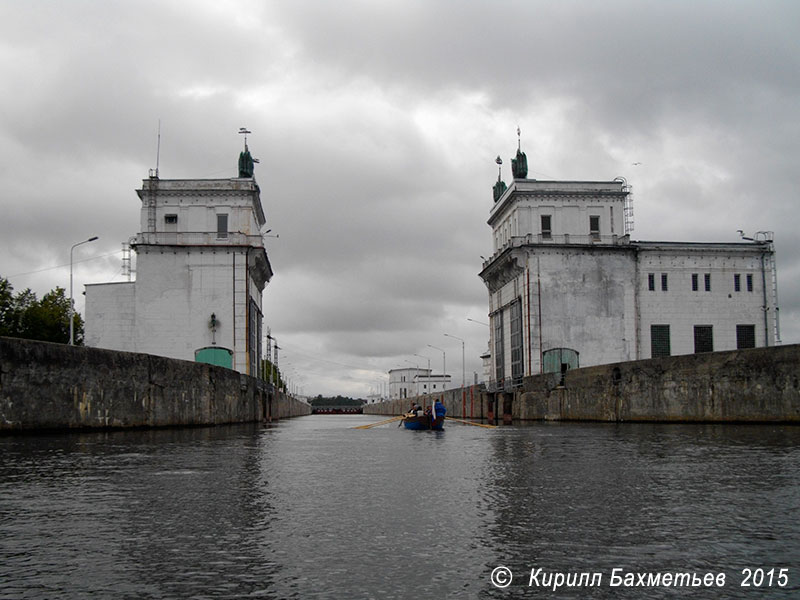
column 185, row 271
column 593, row 293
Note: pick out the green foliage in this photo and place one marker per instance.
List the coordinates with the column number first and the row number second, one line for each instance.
column 24, row 316
column 268, row 372
column 336, row 401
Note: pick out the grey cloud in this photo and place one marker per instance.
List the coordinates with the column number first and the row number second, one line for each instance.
column 377, row 126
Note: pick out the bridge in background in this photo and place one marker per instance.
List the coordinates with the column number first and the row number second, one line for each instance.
column 337, row 410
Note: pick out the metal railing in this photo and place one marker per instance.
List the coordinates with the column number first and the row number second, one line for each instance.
column 518, row 241
column 197, row 238
column 508, row 384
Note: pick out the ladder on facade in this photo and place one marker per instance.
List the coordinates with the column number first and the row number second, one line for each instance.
column 627, row 209
column 774, row 271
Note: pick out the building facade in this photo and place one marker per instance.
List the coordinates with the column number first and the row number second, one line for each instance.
column 567, row 286
column 201, row 268
column 411, row 382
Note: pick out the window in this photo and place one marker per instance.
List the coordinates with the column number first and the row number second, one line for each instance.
column 222, row 227
column 499, row 359
column 659, row 341
column 745, row 336
column 170, row 219
column 516, row 343
column 651, row 282
column 547, row 229
column 594, row 227
column 737, row 282
column 707, row 278
column 703, row 338
column 664, row 286
column 253, row 345
column 749, row 282
column 695, row 284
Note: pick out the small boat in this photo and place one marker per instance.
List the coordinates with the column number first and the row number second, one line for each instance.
column 423, row 422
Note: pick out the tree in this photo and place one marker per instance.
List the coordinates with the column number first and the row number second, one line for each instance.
column 24, row 316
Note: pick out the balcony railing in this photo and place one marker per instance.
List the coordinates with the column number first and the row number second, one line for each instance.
column 198, row 238
column 508, row 384
column 561, row 239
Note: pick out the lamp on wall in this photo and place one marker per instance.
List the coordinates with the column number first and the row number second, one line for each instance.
column 212, row 325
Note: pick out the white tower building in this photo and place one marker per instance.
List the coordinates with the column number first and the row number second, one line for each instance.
column 201, row 268
column 567, row 286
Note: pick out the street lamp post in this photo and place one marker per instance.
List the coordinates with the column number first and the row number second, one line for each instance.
column 71, row 302
column 478, row 322
column 463, row 372
column 444, row 364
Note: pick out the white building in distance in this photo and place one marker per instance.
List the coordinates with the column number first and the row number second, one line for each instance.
column 567, row 286
column 411, row 382
column 201, row 268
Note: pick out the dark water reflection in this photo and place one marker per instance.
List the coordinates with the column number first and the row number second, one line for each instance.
column 311, row 508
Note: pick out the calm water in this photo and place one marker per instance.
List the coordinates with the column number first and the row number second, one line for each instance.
column 311, row 508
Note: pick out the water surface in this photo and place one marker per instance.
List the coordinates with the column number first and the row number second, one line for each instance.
column 311, row 508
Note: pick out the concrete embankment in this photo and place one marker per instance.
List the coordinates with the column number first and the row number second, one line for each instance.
column 469, row 403
column 53, row 386
column 756, row 385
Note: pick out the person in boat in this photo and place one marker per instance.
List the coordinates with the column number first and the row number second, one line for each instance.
column 440, row 408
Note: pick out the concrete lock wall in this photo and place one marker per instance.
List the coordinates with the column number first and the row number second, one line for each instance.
column 468, row 403
column 53, row 386
column 756, row 385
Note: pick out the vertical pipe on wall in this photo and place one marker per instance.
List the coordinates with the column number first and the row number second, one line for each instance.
column 233, row 313
column 528, row 301
column 637, row 334
column 766, row 302
column 539, row 292
column 247, row 348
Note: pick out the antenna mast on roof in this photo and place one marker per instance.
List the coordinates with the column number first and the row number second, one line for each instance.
column 154, row 172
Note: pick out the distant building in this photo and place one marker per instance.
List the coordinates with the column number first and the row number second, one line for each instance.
column 410, row 382
column 201, row 268
column 567, row 286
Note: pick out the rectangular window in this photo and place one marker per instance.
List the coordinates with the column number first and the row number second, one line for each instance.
column 651, row 282
column 517, row 362
column 547, row 229
column 594, row 227
column 703, row 338
column 254, row 335
column 659, row 341
column 737, row 283
column 664, row 286
column 707, row 278
column 695, row 284
column 745, row 336
column 170, row 219
column 749, row 282
column 499, row 359
column 222, row 227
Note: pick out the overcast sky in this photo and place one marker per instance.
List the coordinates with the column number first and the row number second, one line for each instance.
column 377, row 124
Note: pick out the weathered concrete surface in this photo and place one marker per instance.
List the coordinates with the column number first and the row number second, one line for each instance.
column 53, row 386
column 757, row 385
column 469, row 403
